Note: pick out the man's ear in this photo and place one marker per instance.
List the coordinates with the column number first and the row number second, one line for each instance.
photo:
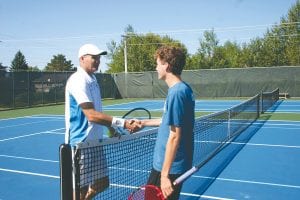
column 168, row 69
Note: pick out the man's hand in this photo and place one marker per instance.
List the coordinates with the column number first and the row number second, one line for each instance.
column 133, row 125
column 166, row 186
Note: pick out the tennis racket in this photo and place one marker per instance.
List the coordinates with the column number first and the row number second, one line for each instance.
column 147, row 192
column 135, row 113
column 152, row 192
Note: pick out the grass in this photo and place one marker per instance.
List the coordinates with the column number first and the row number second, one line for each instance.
column 285, row 116
column 48, row 110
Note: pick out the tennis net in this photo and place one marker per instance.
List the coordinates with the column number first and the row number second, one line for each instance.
column 128, row 160
column 269, row 99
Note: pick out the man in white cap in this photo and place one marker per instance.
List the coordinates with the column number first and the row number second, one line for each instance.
column 84, row 117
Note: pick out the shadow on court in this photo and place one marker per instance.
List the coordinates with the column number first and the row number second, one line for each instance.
column 275, row 106
column 218, row 163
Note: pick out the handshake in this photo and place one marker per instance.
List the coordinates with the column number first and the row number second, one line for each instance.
column 131, row 125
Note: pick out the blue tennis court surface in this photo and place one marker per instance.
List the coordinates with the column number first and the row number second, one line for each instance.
column 157, row 105
column 205, row 105
column 262, row 163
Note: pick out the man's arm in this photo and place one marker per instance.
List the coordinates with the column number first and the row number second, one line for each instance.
column 150, row 122
column 100, row 118
column 171, row 150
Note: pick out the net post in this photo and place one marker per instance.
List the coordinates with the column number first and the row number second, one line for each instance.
column 261, row 103
column 76, row 174
column 229, row 122
column 258, row 105
column 65, row 155
column 277, row 94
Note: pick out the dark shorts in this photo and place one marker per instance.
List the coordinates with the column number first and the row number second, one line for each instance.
column 154, row 179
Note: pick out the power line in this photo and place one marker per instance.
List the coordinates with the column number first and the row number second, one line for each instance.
column 225, row 39
column 180, row 31
column 241, row 28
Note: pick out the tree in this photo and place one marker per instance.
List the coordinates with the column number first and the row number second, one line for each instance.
column 280, row 45
column 19, row 62
column 255, row 53
column 140, row 51
column 2, row 70
column 59, row 63
column 2, row 67
column 204, row 57
column 34, row 69
column 194, row 62
column 292, row 35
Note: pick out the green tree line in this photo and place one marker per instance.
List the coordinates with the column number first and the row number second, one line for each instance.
column 280, row 46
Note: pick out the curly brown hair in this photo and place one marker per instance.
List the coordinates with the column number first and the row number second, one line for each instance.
column 172, row 55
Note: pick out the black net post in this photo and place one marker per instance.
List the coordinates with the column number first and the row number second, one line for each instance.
column 65, row 155
column 258, row 100
column 76, row 171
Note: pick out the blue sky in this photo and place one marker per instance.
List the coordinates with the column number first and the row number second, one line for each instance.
column 43, row 28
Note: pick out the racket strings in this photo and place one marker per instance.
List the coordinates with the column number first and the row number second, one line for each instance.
column 148, row 192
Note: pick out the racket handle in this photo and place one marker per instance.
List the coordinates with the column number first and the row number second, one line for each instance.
column 184, row 176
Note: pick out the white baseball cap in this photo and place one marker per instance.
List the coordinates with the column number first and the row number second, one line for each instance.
column 90, row 49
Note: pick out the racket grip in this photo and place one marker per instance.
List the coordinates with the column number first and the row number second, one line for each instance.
column 184, row 176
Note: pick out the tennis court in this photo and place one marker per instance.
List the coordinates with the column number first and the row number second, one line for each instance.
column 261, row 163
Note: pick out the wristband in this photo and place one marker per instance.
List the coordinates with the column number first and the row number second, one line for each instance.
column 117, row 122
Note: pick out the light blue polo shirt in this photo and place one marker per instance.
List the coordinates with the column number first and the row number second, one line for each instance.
column 81, row 87
column 178, row 111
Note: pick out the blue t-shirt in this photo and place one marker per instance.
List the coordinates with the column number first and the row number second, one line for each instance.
column 178, row 111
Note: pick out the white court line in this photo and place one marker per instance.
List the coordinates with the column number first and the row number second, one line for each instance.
column 45, row 117
column 12, row 118
column 126, row 169
column 114, row 185
column 26, row 158
column 266, row 145
column 250, row 182
column 120, row 104
column 181, row 193
column 29, row 123
column 226, row 179
column 204, row 196
column 56, row 133
column 282, row 128
column 288, row 111
column 28, row 173
column 29, row 116
column 249, row 144
column 280, row 124
column 22, row 136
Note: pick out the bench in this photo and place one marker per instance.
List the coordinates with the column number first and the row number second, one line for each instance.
column 284, row 95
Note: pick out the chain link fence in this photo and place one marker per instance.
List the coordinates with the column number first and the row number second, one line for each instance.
column 27, row 89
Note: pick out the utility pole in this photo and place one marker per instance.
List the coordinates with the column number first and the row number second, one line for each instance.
column 125, row 52
column 125, row 63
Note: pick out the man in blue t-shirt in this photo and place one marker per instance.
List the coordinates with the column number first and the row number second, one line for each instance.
column 174, row 146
